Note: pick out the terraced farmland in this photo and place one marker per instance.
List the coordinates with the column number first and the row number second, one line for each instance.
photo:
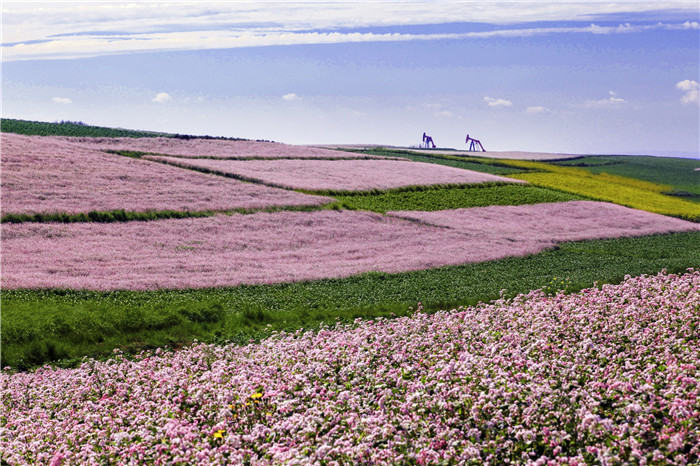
column 341, row 269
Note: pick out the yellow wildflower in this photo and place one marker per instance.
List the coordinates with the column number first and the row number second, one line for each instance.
column 256, row 396
column 219, row 433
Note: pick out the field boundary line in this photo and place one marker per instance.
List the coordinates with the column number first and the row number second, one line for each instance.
column 121, row 216
column 144, row 155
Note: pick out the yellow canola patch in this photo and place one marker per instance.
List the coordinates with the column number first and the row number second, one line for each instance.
column 630, row 192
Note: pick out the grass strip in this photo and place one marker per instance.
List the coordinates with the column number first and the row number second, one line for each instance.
column 107, row 216
column 212, row 171
column 39, row 326
column 452, row 197
column 138, row 154
column 111, row 216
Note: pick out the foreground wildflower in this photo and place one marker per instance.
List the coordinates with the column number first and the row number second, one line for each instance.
column 604, row 375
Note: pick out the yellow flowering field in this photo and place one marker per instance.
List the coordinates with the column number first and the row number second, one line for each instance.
column 629, row 192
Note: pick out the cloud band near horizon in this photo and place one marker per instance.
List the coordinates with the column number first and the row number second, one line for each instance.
column 53, row 33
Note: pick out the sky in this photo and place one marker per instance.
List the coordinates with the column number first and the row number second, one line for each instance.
column 572, row 77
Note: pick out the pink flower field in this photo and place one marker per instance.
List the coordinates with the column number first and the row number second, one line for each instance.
column 219, row 251
column 49, row 175
column 605, row 376
column 342, row 175
column 294, row 246
column 212, row 148
column 553, row 222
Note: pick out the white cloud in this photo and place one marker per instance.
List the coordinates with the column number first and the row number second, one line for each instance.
column 537, row 109
column 73, row 29
column 690, row 97
column 62, row 100
column 493, row 102
column 612, row 101
column 690, row 91
column 291, row 97
column 161, row 98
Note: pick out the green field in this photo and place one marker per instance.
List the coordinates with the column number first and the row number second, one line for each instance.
column 80, row 129
column 70, row 128
column 439, row 198
column 43, row 326
column 110, row 216
column 678, row 173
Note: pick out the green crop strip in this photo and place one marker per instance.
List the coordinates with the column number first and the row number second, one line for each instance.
column 138, row 154
column 69, row 128
column 40, row 326
column 111, row 216
column 80, row 129
column 453, row 197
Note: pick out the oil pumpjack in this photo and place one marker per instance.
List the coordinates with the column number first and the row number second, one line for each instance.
column 428, row 141
column 473, row 143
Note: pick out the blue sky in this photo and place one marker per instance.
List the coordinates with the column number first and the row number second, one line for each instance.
column 587, row 77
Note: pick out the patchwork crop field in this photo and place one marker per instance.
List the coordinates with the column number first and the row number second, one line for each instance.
column 48, row 175
column 295, row 304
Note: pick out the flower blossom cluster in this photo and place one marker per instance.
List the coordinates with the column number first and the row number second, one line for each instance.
column 609, row 375
column 341, row 175
column 50, row 175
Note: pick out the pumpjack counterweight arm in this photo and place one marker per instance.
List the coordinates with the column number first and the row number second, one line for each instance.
column 473, row 143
